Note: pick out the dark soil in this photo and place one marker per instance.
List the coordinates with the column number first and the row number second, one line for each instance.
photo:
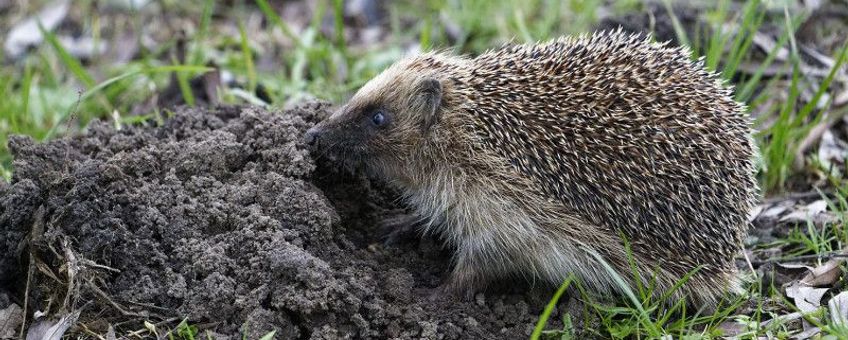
column 220, row 216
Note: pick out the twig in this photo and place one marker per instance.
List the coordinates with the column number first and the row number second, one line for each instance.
column 114, row 304
column 90, row 332
column 795, row 196
column 35, row 233
column 783, row 318
column 813, row 136
column 782, row 70
column 149, row 305
column 138, row 332
column 750, row 265
column 30, row 269
column 71, row 118
column 73, row 268
column 44, row 269
column 92, row 264
column 824, row 256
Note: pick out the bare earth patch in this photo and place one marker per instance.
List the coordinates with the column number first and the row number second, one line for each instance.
column 221, row 217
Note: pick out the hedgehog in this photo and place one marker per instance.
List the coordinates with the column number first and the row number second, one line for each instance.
column 578, row 156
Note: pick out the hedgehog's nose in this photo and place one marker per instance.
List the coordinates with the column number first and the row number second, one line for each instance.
column 311, row 135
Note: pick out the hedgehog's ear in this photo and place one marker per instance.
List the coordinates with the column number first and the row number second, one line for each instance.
column 429, row 100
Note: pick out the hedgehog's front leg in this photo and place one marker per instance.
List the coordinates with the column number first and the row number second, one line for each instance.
column 401, row 228
column 465, row 280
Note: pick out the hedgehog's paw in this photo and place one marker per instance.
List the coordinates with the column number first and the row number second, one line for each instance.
column 450, row 291
column 462, row 285
column 400, row 228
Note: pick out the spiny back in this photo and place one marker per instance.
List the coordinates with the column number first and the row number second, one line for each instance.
column 628, row 134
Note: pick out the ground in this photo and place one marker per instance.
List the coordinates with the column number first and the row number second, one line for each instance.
column 156, row 184
column 220, row 215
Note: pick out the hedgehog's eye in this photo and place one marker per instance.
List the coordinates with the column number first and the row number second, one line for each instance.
column 379, row 118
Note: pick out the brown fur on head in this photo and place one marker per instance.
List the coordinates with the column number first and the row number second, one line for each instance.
column 388, row 125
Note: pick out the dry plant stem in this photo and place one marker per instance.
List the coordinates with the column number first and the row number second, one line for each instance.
column 795, row 196
column 92, row 264
column 824, row 256
column 143, row 330
column 114, row 304
column 148, row 305
column 750, row 265
column 30, row 269
column 782, row 319
column 35, row 233
column 71, row 118
column 45, row 269
column 813, row 137
column 72, row 268
column 90, row 332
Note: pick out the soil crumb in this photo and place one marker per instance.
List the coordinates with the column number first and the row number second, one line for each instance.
column 223, row 217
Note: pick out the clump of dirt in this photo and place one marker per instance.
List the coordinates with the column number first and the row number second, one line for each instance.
column 220, row 216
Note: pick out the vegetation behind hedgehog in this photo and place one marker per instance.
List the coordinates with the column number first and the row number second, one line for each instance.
column 530, row 158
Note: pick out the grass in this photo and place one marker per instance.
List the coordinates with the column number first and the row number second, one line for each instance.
column 549, row 308
column 51, row 93
column 53, row 83
column 639, row 317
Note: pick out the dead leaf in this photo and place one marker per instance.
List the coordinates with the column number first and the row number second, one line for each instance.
column 82, row 47
column 831, row 150
column 782, row 319
column 10, row 321
column 110, row 334
column 125, row 5
column 806, row 334
column 754, row 213
column 26, row 33
column 731, row 328
column 767, row 43
column 774, row 211
column 45, row 329
column 838, row 306
column 807, row 299
column 825, row 275
column 805, row 213
column 841, row 98
column 795, row 266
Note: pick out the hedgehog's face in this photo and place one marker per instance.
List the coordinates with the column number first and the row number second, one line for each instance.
column 384, row 127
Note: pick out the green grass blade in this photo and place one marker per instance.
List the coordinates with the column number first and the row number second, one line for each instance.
column 644, row 317
column 338, row 15
column 678, row 28
column 268, row 336
column 778, row 153
column 269, row 13
column 426, row 31
column 70, row 62
column 752, row 20
column 824, row 85
column 26, row 86
column 718, row 39
column 521, row 25
column 202, row 31
column 634, row 268
column 185, row 87
column 247, row 55
column 546, row 314
column 751, row 84
column 99, row 87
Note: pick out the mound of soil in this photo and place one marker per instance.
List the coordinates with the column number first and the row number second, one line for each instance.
column 219, row 215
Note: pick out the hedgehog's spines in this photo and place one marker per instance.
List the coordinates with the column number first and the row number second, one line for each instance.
column 540, row 148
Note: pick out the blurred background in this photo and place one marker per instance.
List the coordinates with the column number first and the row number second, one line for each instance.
column 66, row 62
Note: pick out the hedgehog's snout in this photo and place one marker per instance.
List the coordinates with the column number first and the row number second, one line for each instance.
column 312, row 138
column 312, row 135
